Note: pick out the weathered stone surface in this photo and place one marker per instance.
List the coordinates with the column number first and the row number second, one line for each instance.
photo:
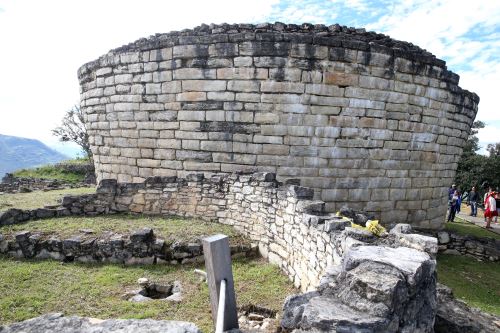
column 376, row 289
column 334, row 107
column 56, row 322
column 454, row 316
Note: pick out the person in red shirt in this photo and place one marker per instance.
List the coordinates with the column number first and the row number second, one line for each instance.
column 490, row 206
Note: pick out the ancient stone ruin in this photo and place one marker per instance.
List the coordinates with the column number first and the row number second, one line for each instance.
column 226, row 122
column 365, row 120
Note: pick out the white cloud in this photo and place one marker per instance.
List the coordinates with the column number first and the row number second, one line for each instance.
column 44, row 43
column 465, row 33
column 489, row 134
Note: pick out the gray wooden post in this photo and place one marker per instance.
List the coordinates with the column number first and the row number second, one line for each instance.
column 218, row 265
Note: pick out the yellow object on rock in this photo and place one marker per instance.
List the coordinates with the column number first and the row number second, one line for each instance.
column 372, row 226
column 375, row 228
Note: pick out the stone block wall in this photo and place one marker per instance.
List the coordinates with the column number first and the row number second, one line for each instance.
column 363, row 119
column 289, row 228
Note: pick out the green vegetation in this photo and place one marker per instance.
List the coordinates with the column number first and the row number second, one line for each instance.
column 167, row 228
column 477, row 283
column 38, row 199
column 465, row 228
column 56, row 171
column 32, row 288
column 475, row 169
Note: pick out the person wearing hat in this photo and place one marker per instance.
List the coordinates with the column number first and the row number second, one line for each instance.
column 453, row 206
column 451, row 191
column 490, row 206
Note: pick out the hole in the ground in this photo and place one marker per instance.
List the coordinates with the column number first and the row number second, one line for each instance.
column 157, row 291
column 153, row 290
column 259, row 310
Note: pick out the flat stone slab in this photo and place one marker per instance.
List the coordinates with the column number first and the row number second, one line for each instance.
column 56, row 322
column 408, row 261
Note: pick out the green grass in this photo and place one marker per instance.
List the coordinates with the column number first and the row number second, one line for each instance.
column 477, row 283
column 33, row 288
column 167, row 228
column 465, row 228
column 53, row 172
column 38, row 199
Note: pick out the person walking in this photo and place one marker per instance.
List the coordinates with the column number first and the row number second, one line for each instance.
column 473, row 198
column 452, row 203
column 458, row 203
column 490, row 205
column 490, row 189
column 497, row 199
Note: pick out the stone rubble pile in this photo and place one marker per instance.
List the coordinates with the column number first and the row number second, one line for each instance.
column 253, row 318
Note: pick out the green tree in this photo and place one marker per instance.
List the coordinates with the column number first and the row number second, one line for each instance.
column 72, row 129
column 475, row 169
column 494, row 149
column 472, row 144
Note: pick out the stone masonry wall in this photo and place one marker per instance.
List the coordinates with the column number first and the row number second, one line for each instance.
column 289, row 228
column 363, row 119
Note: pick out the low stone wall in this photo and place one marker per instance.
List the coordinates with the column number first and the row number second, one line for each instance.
column 319, row 251
column 140, row 247
column 290, row 229
column 12, row 184
column 479, row 248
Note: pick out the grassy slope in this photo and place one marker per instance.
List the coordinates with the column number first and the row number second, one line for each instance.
column 38, row 199
column 55, row 171
column 32, row 288
column 166, row 228
column 465, row 228
column 50, row 172
column 477, row 283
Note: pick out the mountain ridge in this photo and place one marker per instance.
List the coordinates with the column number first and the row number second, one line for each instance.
column 18, row 152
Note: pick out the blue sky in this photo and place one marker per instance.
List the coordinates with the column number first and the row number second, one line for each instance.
column 44, row 43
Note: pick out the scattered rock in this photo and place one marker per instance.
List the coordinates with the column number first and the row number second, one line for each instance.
column 143, row 282
column 401, row 228
column 257, row 318
column 443, row 237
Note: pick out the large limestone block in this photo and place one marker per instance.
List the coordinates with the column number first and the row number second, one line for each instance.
column 375, row 289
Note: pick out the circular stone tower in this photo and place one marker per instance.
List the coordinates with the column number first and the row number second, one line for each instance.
column 365, row 120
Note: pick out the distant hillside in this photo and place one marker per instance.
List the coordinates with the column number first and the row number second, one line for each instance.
column 17, row 153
